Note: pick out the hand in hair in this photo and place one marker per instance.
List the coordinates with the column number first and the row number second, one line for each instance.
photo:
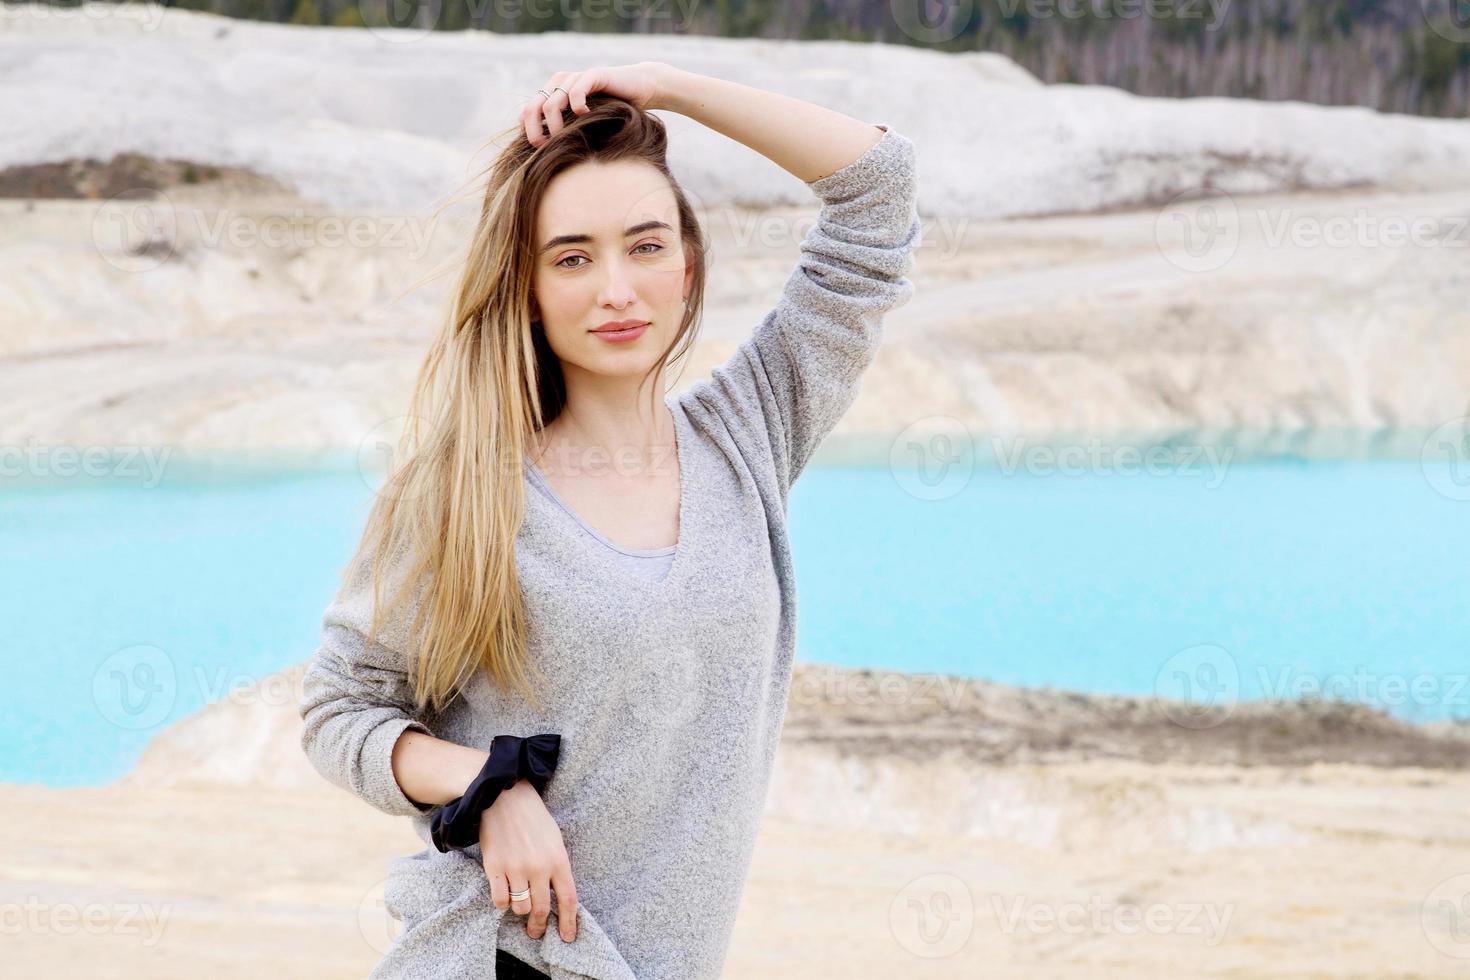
column 521, row 846
column 639, row 84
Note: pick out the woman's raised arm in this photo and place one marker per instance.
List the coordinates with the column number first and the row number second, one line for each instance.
column 805, row 139
column 787, row 387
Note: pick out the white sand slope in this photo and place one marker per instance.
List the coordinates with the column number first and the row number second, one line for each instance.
column 1088, row 324
column 1282, row 305
column 354, row 119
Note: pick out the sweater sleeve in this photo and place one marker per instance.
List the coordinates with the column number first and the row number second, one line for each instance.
column 357, row 699
column 788, row 385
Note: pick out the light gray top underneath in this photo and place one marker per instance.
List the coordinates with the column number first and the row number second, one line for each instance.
column 651, row 563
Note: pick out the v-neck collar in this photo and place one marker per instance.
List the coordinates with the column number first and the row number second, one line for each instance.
column 682, row 545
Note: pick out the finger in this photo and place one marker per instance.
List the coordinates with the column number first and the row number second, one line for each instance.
column 531, row 118
column 551, row 114
column 520, row 906
column 552, row 108
column 499, row 891
column 586, row 81
column 536, row 109
column 540, row 905
column 566, row 904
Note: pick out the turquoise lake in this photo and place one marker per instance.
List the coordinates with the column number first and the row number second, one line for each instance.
column 129, row 607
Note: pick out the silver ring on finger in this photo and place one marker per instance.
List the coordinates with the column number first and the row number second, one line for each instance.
column 521, row 895
column 542, row 91
column 560, row 89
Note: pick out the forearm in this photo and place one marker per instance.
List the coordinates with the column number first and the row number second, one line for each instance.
column 432, row 771
column 805, row 139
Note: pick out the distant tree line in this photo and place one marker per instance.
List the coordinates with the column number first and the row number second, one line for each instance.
column 1410, row 56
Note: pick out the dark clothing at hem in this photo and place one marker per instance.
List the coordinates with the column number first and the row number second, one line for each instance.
column 508, row 967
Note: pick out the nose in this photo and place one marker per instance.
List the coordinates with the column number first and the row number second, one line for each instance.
column 617, row 288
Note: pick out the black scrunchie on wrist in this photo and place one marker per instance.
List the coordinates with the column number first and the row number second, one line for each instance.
column 456, row 825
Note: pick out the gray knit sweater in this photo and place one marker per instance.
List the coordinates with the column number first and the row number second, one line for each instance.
column 669, row 696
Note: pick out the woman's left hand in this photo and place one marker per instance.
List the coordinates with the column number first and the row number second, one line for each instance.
column 638, row 84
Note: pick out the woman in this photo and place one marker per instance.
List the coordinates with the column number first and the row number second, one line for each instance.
column 556, row 514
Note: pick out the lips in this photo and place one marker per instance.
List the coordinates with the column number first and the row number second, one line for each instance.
column 624, row 336
column 619, row 325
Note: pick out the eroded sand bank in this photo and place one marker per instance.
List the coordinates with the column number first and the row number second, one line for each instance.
column 987, row 832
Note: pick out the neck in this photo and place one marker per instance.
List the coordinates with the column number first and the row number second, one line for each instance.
column 608, row 425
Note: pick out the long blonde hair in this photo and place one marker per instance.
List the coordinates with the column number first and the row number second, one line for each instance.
column 489, row 383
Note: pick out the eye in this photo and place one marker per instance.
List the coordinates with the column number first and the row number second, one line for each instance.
column 655, row 245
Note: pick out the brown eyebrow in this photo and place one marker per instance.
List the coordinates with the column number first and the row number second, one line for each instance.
column 579, row 239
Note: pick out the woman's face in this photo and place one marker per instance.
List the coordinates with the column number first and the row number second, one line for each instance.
column 609, row 249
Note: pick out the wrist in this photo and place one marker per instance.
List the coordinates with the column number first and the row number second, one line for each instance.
column 666, row 86
column 522, row 785
column 466, row 767
column 512, row 760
